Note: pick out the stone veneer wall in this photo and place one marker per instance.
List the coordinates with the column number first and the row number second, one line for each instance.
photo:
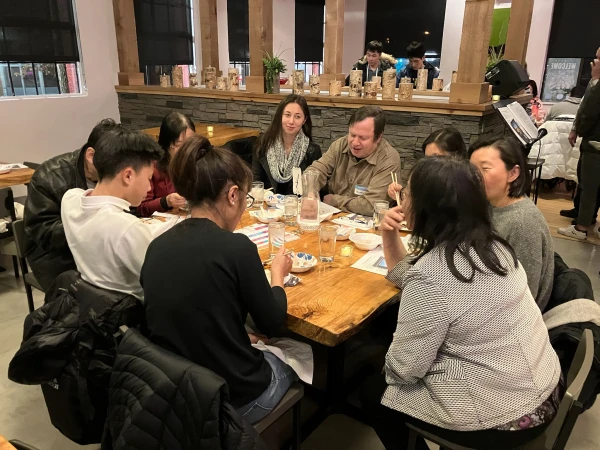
column 406, row 131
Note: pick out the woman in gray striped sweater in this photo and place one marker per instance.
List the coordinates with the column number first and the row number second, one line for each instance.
column 470, row 359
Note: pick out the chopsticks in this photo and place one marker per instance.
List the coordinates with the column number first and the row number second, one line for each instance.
column 395, row 181
column 270, row 260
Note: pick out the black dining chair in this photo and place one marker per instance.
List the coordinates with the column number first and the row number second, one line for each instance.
column 29, row 279
column 7, row 211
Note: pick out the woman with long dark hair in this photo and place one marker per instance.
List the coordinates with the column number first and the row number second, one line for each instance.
column 515, row 217
column 174, row 130
column 443, row 142
column 285, row 145
column 201, row 280
column 471, row 359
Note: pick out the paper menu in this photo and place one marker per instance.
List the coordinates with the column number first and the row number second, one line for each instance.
column 355, row 221
column 4, row 167
column 374, row 261
column 519, row 122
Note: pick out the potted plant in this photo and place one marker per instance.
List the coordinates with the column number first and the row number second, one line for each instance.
column 274, row 66
column 495, row 55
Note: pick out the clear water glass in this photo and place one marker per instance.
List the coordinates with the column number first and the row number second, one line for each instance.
column 377, row 216
column 276, row 237
column 327, row 238
column 258, row 193
column 290, row 209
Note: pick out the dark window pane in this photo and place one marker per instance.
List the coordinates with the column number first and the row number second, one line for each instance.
column 164, row 32
column 40, row 9
column 404, row 22
column 237, row 22
column 38, row 30
column 5, row 87
column 309, row 16
column 17, row 41
column 47, row 79
column 22, row 78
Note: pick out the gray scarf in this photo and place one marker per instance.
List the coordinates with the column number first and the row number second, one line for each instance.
column 280, row 164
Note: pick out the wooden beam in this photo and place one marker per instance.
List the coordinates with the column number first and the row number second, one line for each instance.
column 260, row 15
column 475, row 41
column 519, row 26
column 334, row 40
column 127, row 46
column 209, row 37
column 472, row 59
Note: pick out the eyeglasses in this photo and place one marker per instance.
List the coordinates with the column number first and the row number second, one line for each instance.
column 249, row 199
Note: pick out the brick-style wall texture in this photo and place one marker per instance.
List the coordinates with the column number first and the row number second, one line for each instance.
column 406, row 131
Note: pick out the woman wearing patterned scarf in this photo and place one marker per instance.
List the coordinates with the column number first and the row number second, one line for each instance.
column 285, row 145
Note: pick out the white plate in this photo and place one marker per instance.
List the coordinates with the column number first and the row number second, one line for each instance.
column 309, row 262
column 366, row 241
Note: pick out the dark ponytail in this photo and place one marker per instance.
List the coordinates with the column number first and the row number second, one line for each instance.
column 201, row 172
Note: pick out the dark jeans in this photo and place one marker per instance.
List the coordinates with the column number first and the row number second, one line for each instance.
column 590, row 184
column 393, row 433
column 577, row 198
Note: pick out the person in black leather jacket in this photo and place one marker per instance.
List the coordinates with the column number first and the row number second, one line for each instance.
column 286, row 144
column 46, row 247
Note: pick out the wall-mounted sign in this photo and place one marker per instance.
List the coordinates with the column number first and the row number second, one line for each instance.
column 562, row 75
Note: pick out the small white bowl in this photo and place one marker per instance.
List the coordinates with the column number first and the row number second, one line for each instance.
column 303, row 262
column 366, row 241
column 269, row 215
column 345, row 232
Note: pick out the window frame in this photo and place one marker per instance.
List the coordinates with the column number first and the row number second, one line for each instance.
column 83, row 91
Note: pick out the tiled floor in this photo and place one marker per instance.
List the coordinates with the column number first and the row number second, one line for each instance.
column 23, row 413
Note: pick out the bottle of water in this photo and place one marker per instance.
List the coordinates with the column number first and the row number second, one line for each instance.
column 309, row 204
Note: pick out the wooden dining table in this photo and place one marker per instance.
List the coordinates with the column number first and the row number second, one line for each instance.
column 16, row 177
column 334, row 300
column 221, row 134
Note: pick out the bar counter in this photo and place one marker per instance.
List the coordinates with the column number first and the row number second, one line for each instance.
column 408, row 123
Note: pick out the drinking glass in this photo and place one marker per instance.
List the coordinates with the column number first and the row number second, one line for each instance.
column 276, row 237
column 377, row 208
column 258, row 192
column 290, row 209
column 327, row 237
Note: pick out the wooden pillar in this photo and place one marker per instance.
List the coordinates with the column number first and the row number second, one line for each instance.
column 519, row 26
column 477, row 29
column 334, row 41
column 260, row 16
column 209, row 35
column 127, row 47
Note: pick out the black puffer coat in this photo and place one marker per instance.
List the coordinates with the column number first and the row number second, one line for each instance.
column 69, row 348
column 159, row 400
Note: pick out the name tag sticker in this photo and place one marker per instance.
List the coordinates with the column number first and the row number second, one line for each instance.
column 360, row 190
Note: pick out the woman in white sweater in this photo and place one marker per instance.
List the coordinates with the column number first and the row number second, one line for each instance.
column 470, row 358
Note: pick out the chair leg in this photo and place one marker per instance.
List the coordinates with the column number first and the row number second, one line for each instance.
column 297, row 441
column 16, row 266
column 412, row 440
column 29, row 293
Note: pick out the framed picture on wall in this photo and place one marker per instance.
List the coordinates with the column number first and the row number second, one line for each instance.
column 562, row 75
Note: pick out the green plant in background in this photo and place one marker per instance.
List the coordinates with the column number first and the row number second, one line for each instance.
column 274, row 65
column 495, row 54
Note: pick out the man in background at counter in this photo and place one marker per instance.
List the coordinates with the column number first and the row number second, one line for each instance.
column 374, row 62
column 568, row 106
column 416, row 60
column 356, row 168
